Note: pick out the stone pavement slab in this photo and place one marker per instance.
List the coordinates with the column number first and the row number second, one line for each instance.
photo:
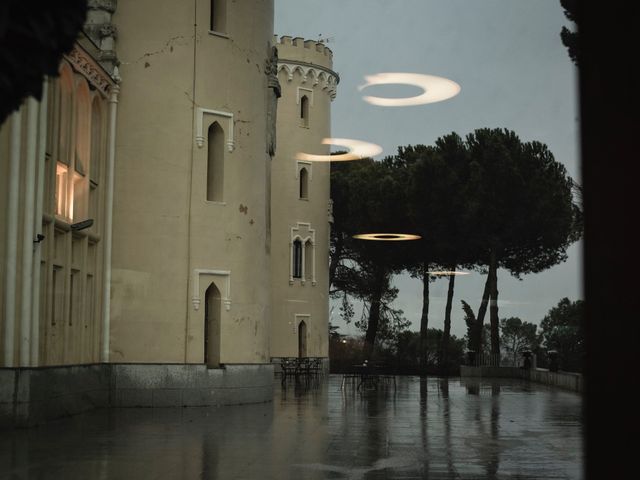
column 424, row 429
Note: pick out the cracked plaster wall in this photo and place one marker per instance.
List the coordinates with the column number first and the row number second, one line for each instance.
column 163, row 226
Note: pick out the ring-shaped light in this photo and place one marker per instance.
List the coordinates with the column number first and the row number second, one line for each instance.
column 448, row 273
column 387, row 237
column 435, row 89
column 357, row 150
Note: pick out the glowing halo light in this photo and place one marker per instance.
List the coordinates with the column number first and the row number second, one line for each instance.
column 387, row 237
column 436, row 89
column 357, row 150
column 448, row 272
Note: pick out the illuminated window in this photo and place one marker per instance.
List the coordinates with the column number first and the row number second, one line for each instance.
column 62, row 175
column 215, row 163
column 218, row 20
column 79, row 189
column 78, row 208
column 72, row 164
column 64, row 127
column 304, row 111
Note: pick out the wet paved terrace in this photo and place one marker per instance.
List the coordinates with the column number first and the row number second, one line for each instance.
column 433, row 428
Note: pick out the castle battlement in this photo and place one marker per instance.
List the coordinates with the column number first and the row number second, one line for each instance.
column 312, row 59
column 286, row 42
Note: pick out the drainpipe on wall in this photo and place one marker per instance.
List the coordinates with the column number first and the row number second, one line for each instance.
column 12, row 240
column 37, row 226
column 27, row 232
column 108, row 222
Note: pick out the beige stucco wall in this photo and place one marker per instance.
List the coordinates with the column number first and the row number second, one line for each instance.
column 163, row 227
column 298, row 300
column 169, row 242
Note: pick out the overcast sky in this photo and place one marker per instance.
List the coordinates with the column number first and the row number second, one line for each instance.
column 514, row 72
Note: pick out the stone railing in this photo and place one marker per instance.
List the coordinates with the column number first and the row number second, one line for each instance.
column 566, row 380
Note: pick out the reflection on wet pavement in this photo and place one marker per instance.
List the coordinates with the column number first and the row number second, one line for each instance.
column 431, row 428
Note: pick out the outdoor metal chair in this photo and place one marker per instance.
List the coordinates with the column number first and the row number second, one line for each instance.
column 385, row 374
column 289, row 366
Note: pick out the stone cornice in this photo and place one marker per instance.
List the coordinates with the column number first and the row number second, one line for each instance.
column 328, row 79
column 88, row 67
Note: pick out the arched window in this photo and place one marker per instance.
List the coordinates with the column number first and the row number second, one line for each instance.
column 95, row 163
column 304, row 183
column 82, row 152
column 218, row 19
column 212, row 314
column 215, row 163
column 297, row 258
column 308, row 260
column 304, row 111
column 302, row 339
column 63, row 160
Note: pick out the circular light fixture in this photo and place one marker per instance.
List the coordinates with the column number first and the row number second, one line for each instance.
column 357, row 150
column 448, row 272
column 435, row 89
column 388, row 237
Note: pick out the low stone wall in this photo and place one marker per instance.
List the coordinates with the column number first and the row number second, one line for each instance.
column 568, row 380
column 7, row 396
column 571, row 381
column 136, row 385
column 486, row 371
column 29, row 396
column 35, row 395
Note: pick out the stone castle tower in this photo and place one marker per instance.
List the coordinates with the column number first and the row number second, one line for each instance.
column 300, row 200
column 207, row 251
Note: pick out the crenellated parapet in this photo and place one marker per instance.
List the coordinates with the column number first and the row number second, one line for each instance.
column 309, row 49
column 311, row 59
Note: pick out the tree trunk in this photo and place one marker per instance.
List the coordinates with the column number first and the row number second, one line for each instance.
column 493, row 311
column 335, row 260
column 374, row 315
column 477, row 334
column 444, row 366
column 424, row 320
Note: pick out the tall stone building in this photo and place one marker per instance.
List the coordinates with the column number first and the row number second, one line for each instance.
column 300, row 201
column 160, row 244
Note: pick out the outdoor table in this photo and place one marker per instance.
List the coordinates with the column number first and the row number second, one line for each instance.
column 367, row 375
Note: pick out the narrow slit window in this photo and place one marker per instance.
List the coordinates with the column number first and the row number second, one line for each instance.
column 95, row 160
column 297, row 259
column 57, row 298
column 304, row 111
column 74, row 297
column 308, row 260
column 218, row 19
column 304, row 183
column 215, row 163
